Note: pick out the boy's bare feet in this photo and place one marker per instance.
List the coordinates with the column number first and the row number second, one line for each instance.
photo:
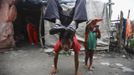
column 86, row 66
column 78, row 73
column 53, row 71
column 90, row 68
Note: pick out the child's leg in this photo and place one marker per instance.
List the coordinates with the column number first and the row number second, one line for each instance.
column 91, row 59
column 35, row 37
column 76, row 60
column 86, row 57
column 54, row 67
column 76, row 48
column 57, row 49
column 29, row 31
column 54, row 70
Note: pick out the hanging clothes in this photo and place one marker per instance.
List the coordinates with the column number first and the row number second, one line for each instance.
column 124, row 28
column 55, row 11
column 32, row 34
column 128, row 28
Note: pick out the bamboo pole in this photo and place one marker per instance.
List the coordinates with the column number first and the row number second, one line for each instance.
column 128, row 14
column 120, row 30
column 110, row 13
column 40, row 28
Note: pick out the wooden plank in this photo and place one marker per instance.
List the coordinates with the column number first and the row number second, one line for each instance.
column 40, row 29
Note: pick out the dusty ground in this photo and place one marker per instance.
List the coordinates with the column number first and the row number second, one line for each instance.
column 34, row 61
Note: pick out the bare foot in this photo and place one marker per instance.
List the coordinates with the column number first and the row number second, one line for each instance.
column 78, row 73
column 86, row 66
column 53, row 71
column 90, row 68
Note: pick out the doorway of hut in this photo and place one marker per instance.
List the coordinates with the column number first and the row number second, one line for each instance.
column 26, row 25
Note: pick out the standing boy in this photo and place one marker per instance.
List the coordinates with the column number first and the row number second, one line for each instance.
column 92, row 32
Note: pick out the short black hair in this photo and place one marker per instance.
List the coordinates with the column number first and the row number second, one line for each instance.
column 66, row 35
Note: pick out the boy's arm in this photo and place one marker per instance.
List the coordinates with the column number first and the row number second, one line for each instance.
column 86, row 35
column 98, row 33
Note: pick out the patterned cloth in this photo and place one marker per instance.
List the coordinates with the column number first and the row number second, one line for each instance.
column 6, row 35
column 91, row 41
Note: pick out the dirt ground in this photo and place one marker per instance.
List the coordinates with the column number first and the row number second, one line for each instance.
column 35, row 61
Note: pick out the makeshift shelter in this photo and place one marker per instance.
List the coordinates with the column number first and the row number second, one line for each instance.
column 28, row 11
column 6, row 27
column 17, row 33
column 36, row 9
column 94, row 9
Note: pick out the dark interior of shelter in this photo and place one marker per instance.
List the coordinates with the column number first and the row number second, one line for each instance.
column 28, row 11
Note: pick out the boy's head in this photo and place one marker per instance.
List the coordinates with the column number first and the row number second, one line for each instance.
column 94, row 21
column 66, row 40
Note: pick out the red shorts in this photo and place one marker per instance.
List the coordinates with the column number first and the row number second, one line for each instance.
column 76, row 46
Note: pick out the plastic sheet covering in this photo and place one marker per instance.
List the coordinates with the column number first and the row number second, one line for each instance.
column 6, row 28
column 94, row 9
column 6, row 35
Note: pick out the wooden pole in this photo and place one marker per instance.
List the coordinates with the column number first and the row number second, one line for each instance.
column 110, row 3
column 110, row 9
column 40, row 29
column 120, row 29
column 128, row 14
column 110, row 13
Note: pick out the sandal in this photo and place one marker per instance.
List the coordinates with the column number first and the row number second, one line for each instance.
column 56, row 29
